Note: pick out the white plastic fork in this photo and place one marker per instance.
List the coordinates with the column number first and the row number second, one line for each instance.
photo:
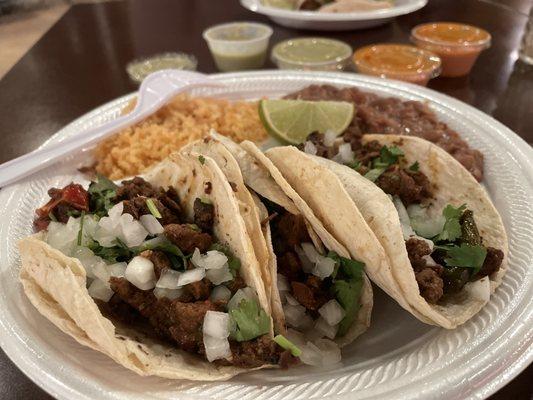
column 155, row 91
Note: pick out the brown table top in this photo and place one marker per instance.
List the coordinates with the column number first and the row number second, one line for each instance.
column 79, row 64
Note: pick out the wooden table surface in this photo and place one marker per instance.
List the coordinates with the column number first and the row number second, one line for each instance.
column 80, row 64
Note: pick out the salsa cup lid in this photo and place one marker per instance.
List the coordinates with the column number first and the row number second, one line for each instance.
column 451, row 34
column 242, row 33
column 311, row 52
column 397, row 60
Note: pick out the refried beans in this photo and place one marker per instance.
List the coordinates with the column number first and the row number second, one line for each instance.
column 375, row 114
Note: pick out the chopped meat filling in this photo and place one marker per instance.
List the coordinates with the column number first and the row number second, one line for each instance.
column 187, row 238
column 204, row 214
column 492, row 262
column 411, row 186
column 159, row 259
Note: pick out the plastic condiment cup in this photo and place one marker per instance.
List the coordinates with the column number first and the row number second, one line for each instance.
column 398, row 61
column 312, row 54
column 238, row 45
column 458, row 45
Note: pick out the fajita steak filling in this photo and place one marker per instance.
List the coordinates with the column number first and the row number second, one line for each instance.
column 375, row 114
column 149, row 266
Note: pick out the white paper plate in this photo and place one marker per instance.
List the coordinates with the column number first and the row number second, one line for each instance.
column 398, row 357
column 334, row 21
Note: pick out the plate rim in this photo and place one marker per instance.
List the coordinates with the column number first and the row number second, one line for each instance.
column 56, row 388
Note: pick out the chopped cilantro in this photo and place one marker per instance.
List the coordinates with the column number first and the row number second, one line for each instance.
column 113, row 254
column 250, row 321
column 389, row 155
column 374, row 174
column 286, row 344
column 101, row 192
column 452, row 226
column 354, row 165
column 414, row 166
column 153, row 208
column 52, row 216
column 166, row 247
column 465, row 256
column 80, row 232
column 205, row 200
column 347, row 285
column 201, row 159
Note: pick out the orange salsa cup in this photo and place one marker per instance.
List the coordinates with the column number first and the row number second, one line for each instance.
column 398, row 61
column 458, row 45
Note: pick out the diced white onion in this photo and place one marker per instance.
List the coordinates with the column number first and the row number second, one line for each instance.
column 331, row 353
column 133, row 233
column 329, row 331
column 168, row 279
column 310, row 252
column 213, row 259
column 116, row 211
column 283, row 283
column 99, row 290
column 118, row 270
column 220, row 275
column 246, row 293
column 294, row 315
column 101, row 271
column 324, row 267
column 311, row 355
column 404, row 218
column 310, row 148
column 307, row 265
column 220, row 293
column 424, row 224
column 295, row 337
column 216, row 324
column 86, row 258
column 322, row 353
column 190, row 276
column 479, row 290
column 332, row 312
column 306, row 322
column 291, row 300
column 151, row 224
column 63, row 237
column 171, row 294
column 216, row 348
column 329, row 137
column 346, row 153
column 140, row 273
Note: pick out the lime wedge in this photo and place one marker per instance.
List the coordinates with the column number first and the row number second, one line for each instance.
column 293, row 120
column 285, row 4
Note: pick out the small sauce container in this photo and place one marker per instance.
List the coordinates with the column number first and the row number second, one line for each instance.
column 312, row 54
column 141, row 68
column 458, row 45
column 238, row 45
column 398, row 61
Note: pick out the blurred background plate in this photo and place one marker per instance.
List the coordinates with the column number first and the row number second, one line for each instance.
column 334, row 21
column 397, row 357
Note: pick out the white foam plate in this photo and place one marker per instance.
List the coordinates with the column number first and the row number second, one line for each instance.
column 398, row 357
column 334, row 21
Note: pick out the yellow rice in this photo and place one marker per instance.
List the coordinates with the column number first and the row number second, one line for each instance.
column 183, row 120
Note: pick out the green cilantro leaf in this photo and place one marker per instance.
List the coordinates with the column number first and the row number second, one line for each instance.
column 201, row 159
column 415, row 166
column 347, row 284
column 465, row 256
column 286, row 344
column 250, row 321
column 153, row 208
column 113, row 254
column 452, row 226
column 80, row 232
column 167, row 247
column 374, row 174
column 102, row 192
column 354, row 165
column 390, row 155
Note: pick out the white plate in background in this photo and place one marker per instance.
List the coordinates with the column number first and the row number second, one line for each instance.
column 313, row 20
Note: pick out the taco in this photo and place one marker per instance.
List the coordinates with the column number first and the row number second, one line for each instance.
column 445, row 241
column 321, row 298
column 158, row 273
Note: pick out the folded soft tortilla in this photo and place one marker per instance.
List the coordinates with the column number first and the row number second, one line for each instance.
column 56, row 284
column 265, row 179
column 329, row 188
